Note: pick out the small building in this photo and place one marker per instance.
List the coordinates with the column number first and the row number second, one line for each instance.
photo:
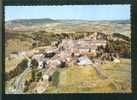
column 87, row 49
column 13, row 55
column 84, row 60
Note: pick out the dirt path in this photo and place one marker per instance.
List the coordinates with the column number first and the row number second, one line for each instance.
column 100, row 72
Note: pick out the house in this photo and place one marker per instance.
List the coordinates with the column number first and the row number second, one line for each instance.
column 88, row 51
column 82, row 46
column 22, row 53
column 101, row 36
column 95, row 42
column 13, row 55
column 84, row 60
column 88, row 47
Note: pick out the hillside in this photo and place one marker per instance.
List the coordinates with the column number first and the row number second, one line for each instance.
column 29, row 22
column 20, row 32
column 60, row 26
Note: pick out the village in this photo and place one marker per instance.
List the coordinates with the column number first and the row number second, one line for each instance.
column 88, row 51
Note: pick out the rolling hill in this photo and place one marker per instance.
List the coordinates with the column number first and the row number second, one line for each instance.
column 60, row 26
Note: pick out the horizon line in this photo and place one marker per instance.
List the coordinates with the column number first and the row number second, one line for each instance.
column 66, row 19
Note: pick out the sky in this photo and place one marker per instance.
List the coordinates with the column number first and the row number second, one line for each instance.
column 83, row 12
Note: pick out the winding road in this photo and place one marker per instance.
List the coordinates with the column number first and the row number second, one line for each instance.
column 20, row 81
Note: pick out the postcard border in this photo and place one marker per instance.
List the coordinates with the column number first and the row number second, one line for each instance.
column 94, row 96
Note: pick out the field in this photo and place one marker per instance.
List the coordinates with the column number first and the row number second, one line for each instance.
column 84, row 79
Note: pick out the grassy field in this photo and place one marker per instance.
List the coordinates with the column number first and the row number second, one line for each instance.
column 11, row 64
column 85, row 79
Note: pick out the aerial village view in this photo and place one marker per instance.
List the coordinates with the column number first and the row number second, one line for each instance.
column 67, row 49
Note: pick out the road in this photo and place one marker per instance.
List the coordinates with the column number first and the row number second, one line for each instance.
column 20, row 81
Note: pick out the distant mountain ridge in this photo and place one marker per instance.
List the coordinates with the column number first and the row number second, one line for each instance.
column 28, row 22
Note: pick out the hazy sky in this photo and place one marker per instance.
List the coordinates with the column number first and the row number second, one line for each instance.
column 86, row 12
